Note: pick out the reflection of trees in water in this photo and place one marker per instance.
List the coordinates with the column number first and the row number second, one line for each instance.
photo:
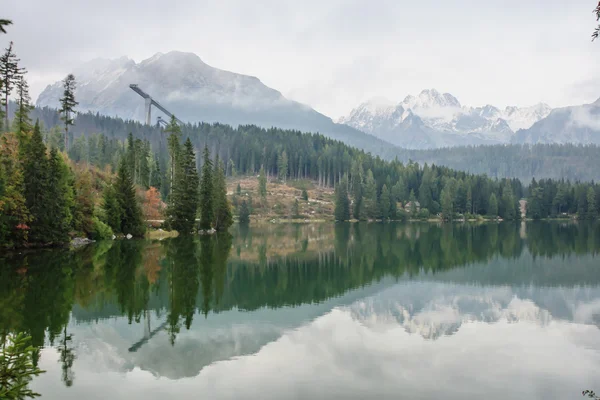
column 271, row 267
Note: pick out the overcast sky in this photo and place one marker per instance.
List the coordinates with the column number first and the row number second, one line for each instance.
column 333, row 54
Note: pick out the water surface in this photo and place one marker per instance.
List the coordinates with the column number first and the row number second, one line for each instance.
column 316, row 311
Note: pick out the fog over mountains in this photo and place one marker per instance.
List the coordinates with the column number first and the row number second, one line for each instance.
column 195, row 91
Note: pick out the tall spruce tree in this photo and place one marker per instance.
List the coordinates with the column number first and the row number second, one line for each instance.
column 174, row 131
column 35, row 183
column 385, row 203
column 22, row 121
column 131, row 214
column 222, row 209
column 67, row 105
column 112, row 209
column 206, row 192
column 59, row 196
column 342, row 202
column 262, row 184
column 282, row 166
column 592, row 211
column 183, row 203
column 493, row 206
column 244, row 213
column 10, row 74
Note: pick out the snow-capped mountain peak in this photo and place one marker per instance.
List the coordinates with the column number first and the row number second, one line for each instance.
column 442, row 120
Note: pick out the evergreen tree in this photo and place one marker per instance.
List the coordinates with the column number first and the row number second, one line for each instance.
column 413, row 203
column 207, row 214
column 262, row 184
column 295, row 209
column 534, row 203
column 35, row 183
column 174, row 148
column 112, row 209
column 222, row 209
column 342, row 202
column 447, row 203
column 493, row 206
column 592, row 211
column 131, row 214
column 22, row 121
column 507, row 209
column 385, row 203
column 238, row 189
column 469, row 204
column 156, row 176
column 10, row 75
column 370, row 196
column 304, row 195
column 59, row 195
column 67, row 105
column 183, row 204
column 244, row 213
column 282, row 166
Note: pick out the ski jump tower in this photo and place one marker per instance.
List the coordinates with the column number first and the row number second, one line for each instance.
column 149, row 102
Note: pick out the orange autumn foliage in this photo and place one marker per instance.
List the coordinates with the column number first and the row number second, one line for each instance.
column 152, row 205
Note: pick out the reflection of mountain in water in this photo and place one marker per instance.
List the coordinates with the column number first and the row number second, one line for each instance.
column 223, row 297
column 433, row 309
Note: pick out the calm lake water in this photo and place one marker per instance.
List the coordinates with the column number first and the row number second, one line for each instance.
column 386, row 311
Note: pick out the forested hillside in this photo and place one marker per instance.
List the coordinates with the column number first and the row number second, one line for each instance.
column 525, row 162
column 540, row 161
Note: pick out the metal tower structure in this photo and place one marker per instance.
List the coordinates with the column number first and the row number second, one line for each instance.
column 149, row 102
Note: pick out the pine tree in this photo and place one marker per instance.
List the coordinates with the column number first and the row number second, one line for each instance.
column 22, row 121
column 469, row 206
column 156, row 175
column 131, row 216
column 534, row 203
column 59, row 195
column 592, row 211
column 296, row 209
column 342, row 202
column 447, row 204
column 385, row 202
column 282, row 166
column 304, row 195
column 10, row 75
column 508, row 210
column 370, row 196
column 493, row 206
column 223, row 217
column 67, row 105
column 35, row 183
column 262, row 184
column 207, row 214
column 183, row 203
column 112, row 209
column 413, row 203
column 174, row 148
column 244, row 213
column 238, row 189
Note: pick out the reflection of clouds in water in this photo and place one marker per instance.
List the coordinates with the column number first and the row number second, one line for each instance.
column 339, row 356
column 435, row 309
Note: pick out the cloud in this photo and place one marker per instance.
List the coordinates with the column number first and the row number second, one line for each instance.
column 330, row 54
column 585, row 116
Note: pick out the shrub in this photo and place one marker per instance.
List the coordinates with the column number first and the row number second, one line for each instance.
column 100, row 231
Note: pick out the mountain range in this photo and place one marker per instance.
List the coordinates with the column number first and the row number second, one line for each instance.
column 196, row 92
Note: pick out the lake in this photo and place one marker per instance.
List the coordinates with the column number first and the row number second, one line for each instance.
column 340, row 311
